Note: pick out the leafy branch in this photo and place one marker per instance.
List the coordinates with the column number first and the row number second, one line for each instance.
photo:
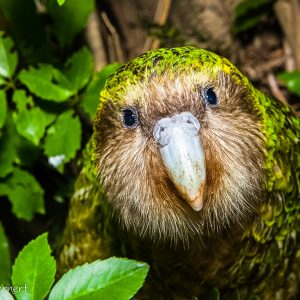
column 34, row 270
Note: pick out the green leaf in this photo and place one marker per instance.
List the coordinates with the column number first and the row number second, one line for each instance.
column 24, row 192
column 34, row 268
column 28, row 29
column 90, row 99
column 235, row 295
column 21, row 100
column 47, row 83
column 246, row 24
column 15, row 149
column 5, row 295
column 214, row 294
column 63, row 139
column 2, row 81
column 60, row 2
column 246, row 6
column 248, row 14
column 292, row 81
column 113, row 278
column 5, row 263
column 30, row 123
column 69, row 19
column 79, row 68
column 8, row 148
column 254, row 297
column 27, row 152
column 8, row 58
column 3, row 108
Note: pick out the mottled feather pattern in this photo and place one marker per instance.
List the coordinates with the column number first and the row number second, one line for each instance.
column 246, row 237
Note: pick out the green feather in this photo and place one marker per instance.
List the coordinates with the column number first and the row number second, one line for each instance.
column 269, row 252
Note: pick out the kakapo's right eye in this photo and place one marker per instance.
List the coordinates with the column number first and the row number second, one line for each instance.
column 210, row 96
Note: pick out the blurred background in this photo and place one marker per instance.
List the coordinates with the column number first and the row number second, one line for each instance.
column 55, row 56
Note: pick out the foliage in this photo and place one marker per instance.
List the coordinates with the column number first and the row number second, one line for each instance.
column 89, row 102
column 24, row 192
column 44, row 98
column 60, row 2
column 40, row 276
column 291, row 80
column 249, row 13
column 48, row 96
column 5, row 264
column 65, row 29
column 5, row 295
column 113, row 278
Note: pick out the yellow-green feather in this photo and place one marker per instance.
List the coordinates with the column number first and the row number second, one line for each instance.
column 274, row 115
column 268, row 245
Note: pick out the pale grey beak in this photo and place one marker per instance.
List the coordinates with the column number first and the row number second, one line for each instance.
column 182, row 154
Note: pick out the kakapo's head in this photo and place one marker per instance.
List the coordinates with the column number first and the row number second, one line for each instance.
column 178, row 144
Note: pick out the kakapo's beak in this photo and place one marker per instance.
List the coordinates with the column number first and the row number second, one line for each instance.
column 181, row 151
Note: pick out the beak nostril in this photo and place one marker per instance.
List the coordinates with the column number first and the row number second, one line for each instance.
column 158, row 131
column 165, row 128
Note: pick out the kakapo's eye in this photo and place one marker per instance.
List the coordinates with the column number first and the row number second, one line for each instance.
column 210, row 96
column 130, row 118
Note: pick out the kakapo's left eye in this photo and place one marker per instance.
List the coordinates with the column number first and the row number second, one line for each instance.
column 130, row 118
column 210, row 96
